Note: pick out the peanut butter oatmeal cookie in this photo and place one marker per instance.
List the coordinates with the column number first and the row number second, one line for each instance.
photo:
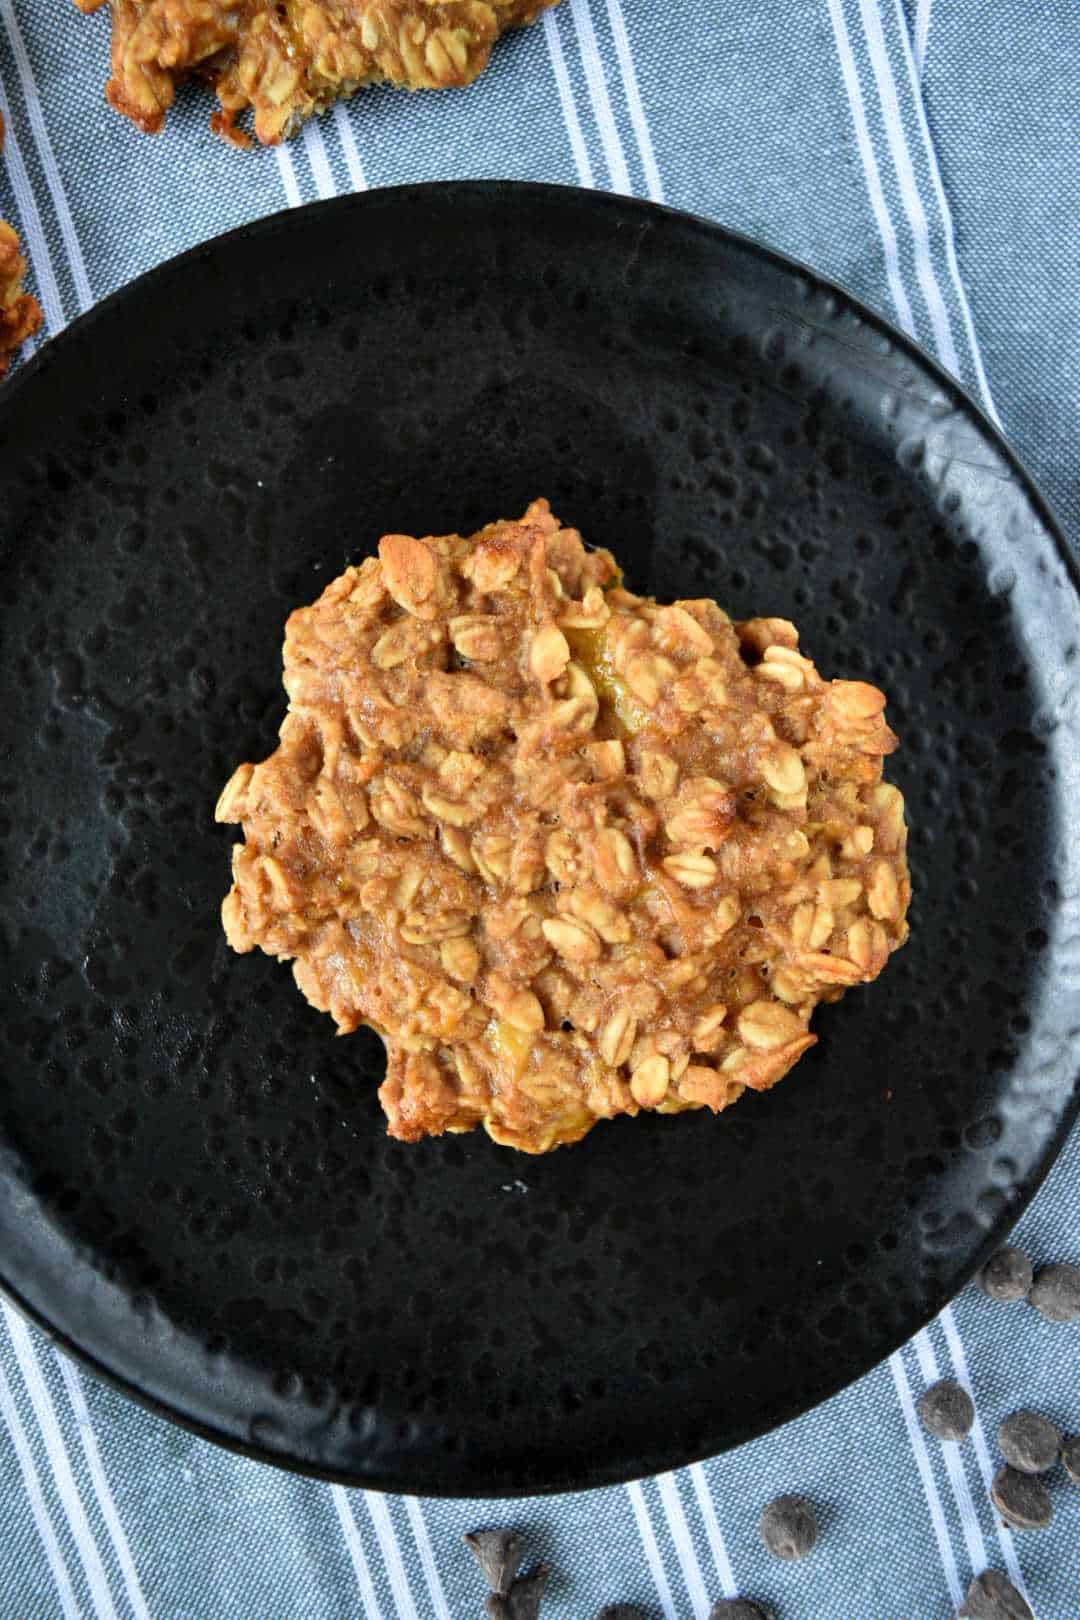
column 572, row 853
column 20, row 315
column 286, row 59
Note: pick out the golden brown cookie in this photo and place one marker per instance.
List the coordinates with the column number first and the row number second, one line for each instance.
column 20, row 315
column 572, row 853
column 287, row 59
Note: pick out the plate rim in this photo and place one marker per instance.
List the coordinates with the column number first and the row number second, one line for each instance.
column 647, row 213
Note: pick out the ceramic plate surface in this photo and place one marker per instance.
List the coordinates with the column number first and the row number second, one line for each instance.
column 196, row 1189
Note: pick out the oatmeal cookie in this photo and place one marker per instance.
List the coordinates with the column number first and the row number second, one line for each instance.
column 20, row 315
column 286, row 59
column 571, row 852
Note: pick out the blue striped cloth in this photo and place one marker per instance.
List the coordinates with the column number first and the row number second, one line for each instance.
column 927, row 158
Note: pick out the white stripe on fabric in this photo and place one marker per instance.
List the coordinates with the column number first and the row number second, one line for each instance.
column 32, row 1487
column 47, row 156
column 888, row 235
column 1006, row 1539
column 349, row 148
column 954, row 1467
column 404, row 1606
column 315, row 148
column 99, row 1480
column 870, row 13
column 439, row 1606
column 651, row 1550
column 30, row 220
column 850, row 76
column 598, row 95
column 288, row 177
column 922, row 36
column 356, row 1551
column 684, row 1547
column 717, row 1546
column 63, row 1478
column 946, row 224
column 633, row 99
column 566, row 99
column 926, row 1474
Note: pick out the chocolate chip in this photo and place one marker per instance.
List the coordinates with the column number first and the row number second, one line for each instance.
column 621, row 1611
column 498, row 1552
column 1029, row 1442
column 1070, row 1456
column 737, row 1609
column 946, row 1410
column 1006, row 1275
column 992, row 1596
column 1055, row 1293
column 1022, row 1501
column 523, row 1600
column 788, row 1527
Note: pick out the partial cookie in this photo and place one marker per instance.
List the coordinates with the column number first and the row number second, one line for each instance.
column 20, row 315
column 284, row 60
column 572, row 853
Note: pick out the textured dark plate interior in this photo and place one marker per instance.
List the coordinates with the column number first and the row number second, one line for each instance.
column 195, row 1186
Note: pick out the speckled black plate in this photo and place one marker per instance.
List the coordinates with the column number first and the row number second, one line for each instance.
column 196, row 1191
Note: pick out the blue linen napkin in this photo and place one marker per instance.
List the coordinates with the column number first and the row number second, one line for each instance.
column 922, row 157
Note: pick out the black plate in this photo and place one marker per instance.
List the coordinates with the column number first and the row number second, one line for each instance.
column 196, row 1191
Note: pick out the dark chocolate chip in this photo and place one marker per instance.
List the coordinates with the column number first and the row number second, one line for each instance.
column 1029, row 1441
column 1006, row 1275
column 523, row 1599
column 1022, row 1500
column 1055, row 1293
column 946, row 1410
column 737, row 1609
column 788, row 1527
column 992, row 1596
column 498, row 1552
